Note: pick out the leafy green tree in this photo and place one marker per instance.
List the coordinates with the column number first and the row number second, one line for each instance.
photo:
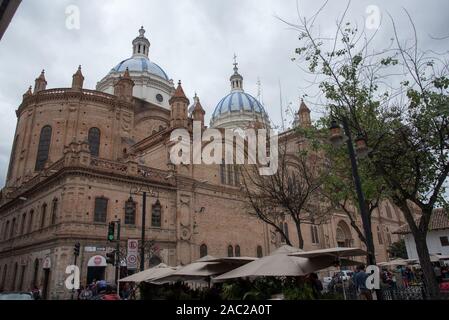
column 398, row 250
column 406, row 126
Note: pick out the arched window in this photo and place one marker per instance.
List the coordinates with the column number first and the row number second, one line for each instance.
column 101, row 209
column 13, row 228
column 14, row 277
column 203, row 250
column 94, row 141
column 54, row 211
column 22, row 225
column 389, row 214
column 12, row 159
column 5, row 273
column 43, row 148
column 156, row 215
column 237, row 251
column 230, row 251
column 379, row 236
column 223, row 172
column 314, row 231
column 30, row 221
column 22, row 276
column 259, row 252
column 6, row 231
column 388, row 236
column 35, row 273
column 130, row 211
column 43, row 215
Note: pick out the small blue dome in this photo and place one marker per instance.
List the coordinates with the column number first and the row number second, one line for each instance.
column 238, row 101
column 141, row 64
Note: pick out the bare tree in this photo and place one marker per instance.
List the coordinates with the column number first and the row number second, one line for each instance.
column 293, row 191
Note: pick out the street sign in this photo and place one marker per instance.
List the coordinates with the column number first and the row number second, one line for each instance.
column 131, row 259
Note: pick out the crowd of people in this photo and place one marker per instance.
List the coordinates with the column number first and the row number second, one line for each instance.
column 101, row 290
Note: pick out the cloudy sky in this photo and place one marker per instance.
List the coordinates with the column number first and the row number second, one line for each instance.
column 192, row 40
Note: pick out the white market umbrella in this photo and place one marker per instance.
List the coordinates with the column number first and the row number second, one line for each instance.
column 160, row 270
column 394, row 263
column 338, row 252
column 204, row 269
column 278, row 264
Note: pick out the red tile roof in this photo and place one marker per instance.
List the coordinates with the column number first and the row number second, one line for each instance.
column 439, row 220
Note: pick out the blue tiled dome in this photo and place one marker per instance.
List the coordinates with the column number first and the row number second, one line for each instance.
column 141, row 64
column 236, row 102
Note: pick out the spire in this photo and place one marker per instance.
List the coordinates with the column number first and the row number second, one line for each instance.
column 78, row 79
column 40, row 83
column 179, row 94
column 179, row 104
column 236, row 79
column 126, row 74
column 303, row 116
column 198, row 111
column 141, row 45
column 28, row 93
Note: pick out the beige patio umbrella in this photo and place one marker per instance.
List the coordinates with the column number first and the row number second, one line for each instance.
column 204, row 268
column 338, row 252
column 160, row 270
column 278, row 264
column 394, row 263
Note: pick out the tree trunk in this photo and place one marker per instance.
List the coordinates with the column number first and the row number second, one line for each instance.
column 300, row 238
column 430, row 281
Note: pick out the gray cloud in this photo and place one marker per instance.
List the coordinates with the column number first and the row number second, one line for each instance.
column 193, row 40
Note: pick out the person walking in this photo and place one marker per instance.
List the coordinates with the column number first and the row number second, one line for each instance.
column 360, row 283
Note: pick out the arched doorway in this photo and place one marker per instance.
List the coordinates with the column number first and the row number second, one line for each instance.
column 343, row 235
column 96, row 268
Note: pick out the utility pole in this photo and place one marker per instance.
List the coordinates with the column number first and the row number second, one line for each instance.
column 117, row 254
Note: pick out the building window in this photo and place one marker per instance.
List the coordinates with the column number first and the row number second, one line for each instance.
column 444, row 241
column 30, row 221
column 223, row 173
column 43, row 148
column 230, row 251
column 94, row 141
column 5, row 273
column 13, row 228
column 54, row 211
column 314, row 231
column 286, row 230
column 156, row 215
column 236, row 176
column 12, row 160
column 14, row 279
column 237, row 251
column 35, row 273
column 389, row 214
column 22, row 276
column 388, row 236
column 379, row 236
column 130, row 212
column 6, row 231
column 203, row 250
column 22, row 225
column 101, row 209
column 230, row 172
column 259, row 252
column 43, row 215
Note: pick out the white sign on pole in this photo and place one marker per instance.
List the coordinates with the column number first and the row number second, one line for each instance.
column 131, row 259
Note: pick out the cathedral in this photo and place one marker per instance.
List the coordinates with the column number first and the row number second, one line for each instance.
column 82, row 158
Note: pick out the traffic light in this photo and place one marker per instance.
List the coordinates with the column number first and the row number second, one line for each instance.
column 111, row 230
column 110, row 257
column 76, row 249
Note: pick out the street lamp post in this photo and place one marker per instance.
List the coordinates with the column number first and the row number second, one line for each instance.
column 337, row 138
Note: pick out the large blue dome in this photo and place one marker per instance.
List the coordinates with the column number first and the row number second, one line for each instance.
column 141, row 64
column 238, row 101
